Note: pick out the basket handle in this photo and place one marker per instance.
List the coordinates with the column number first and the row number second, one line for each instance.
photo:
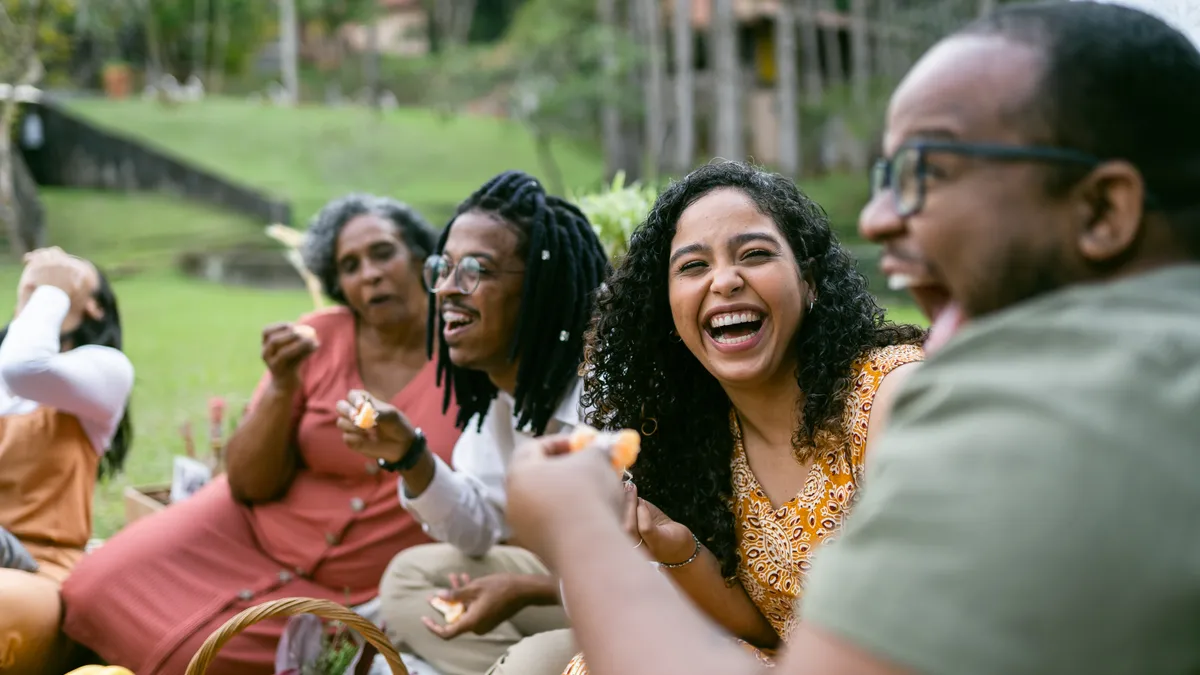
column 291, row 607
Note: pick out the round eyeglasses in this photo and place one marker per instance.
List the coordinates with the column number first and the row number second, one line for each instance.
column 466, row 273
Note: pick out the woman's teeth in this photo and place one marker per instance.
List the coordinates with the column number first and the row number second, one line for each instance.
column 733, row 328
column 732, row 318
column 728, row 340
column 899, row 282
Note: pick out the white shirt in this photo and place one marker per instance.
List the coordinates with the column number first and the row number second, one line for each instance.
column 91, row 382
column 465, row 506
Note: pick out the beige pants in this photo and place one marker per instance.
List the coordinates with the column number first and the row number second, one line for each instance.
column 536, row 641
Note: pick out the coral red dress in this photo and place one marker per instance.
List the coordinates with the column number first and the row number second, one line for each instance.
column 150, row 596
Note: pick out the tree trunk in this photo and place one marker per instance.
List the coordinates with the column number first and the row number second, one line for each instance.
column 10, row 210
column 610, row 117
column 21, row 41
column 216, row 77
column 785, row 58
column 464, row 16
column 153, row 47
column 813, row 88
column 650, row 16
column 371, row 62
column 685, row 88
column 551, row 173
column 633, row 143
column 288, row 50
column 451, row 21
column 889, row 61
column 835, row 66
column 860, row 52
column 986, row 7
column 726, row 71
column 200, row 39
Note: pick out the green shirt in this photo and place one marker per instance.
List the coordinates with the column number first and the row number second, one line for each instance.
column 1034, row 506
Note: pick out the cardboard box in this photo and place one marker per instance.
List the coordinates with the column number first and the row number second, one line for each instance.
column 143, row 500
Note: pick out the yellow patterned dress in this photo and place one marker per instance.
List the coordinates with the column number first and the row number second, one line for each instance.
column 776, row 546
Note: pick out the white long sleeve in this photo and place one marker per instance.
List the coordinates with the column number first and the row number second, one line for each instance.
column 92, row 382
column 465, row 506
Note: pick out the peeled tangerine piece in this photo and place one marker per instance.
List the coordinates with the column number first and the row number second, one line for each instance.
column 452, row 610
column 365, row 415
column 306, row 331
column 623, row 446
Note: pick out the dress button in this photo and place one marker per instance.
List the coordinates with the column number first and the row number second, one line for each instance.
column 331, row 539
column 372, row 468
column 285, row 576
column 357, row 504
column 245, row 594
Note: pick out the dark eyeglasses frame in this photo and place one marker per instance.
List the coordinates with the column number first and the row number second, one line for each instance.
column 882, row 172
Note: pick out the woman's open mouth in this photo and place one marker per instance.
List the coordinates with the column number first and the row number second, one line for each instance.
column 735, row 331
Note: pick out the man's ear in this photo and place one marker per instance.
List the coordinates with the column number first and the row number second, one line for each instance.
column 1112, row 206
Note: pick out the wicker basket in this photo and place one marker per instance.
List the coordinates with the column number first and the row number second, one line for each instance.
column 291, row 607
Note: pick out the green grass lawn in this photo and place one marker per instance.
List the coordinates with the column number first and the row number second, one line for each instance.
column 310, row 155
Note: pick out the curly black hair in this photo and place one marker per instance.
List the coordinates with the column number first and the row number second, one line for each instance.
column 564, row 264
column 320, row 242
column 637, row 375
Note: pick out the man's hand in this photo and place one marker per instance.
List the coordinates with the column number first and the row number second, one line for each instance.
column 489, row 601
column 389, row 439
column 665, row 540
column 550, row 490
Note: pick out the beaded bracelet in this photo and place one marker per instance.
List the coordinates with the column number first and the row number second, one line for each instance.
column 695, row 554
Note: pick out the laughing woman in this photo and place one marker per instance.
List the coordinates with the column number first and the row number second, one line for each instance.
column 739, row 337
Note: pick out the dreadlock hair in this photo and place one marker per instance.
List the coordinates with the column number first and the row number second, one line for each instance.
column 564, row 265
column 639, row 376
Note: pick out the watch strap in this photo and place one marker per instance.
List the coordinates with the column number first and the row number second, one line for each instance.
column 410, row 458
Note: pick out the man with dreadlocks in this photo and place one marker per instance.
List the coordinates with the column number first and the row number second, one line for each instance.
column 511, row 287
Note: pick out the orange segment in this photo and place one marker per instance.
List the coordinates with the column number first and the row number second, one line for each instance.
column 582, row 437
column 451, row 610
column 625, row 448
column 365, row 416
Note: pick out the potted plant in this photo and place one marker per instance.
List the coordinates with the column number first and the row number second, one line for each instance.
column 118, row 79
column 616, row 210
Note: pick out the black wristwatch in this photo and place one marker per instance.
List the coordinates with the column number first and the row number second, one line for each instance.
column 410, row 458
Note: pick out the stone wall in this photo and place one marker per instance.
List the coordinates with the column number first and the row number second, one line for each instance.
column 70, row 152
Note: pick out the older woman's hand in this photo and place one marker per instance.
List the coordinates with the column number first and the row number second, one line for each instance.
column 389, row 439
column 551, row 490
column 284, row 347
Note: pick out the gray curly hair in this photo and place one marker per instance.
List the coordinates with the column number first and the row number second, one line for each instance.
column 320, row 243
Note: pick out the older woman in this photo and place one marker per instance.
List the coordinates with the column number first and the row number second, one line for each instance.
column 739, row 337
column 64, row 394
column 298, row 513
